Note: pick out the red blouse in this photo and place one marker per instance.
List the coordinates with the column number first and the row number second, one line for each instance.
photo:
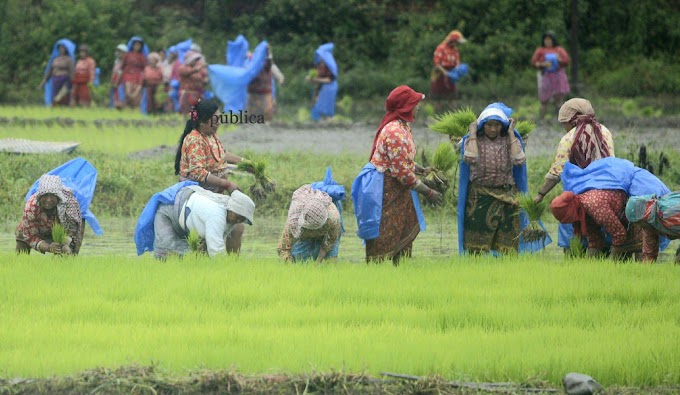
column 446, row 57
column 539, row 55
column 395, row 151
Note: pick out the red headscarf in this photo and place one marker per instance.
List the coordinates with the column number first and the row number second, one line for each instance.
column 567, row 209
column 399, row 105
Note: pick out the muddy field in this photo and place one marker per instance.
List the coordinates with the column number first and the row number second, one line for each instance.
column 356, row 138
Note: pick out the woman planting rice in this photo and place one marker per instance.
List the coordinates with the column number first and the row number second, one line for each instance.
column 313, row 227
column 386, row 203
column 657, row 216
column 586, row 141
column 493, row 170
column 172, row 214
column 52, row 204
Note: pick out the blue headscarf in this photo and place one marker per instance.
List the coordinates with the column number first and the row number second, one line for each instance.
column 498, row 112
column 180, row 49
column 145, row 48
column 71, row 50
column 325, row 102
column 325, row 53
column 237, row 51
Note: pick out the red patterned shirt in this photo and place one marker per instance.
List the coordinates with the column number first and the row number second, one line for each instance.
column 493, row 167
column 395, row 151
column 446, row 57
column 201, row 155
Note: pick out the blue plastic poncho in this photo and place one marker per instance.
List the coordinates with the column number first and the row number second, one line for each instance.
column 237, row 51
column 519, row 173
column 230, row 83
column 144, row 231
column 71, row 50
column 79, row 175
column 325, row 102
column 610, row 173
column 367, row 195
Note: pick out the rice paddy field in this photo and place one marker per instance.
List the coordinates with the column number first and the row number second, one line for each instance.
column 108, row 321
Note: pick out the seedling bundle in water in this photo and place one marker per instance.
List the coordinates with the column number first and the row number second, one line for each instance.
column 194, row 240
column 534, row 231
column 264, row 184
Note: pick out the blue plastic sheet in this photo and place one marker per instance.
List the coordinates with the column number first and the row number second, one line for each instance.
column 230, row 83
column 144, row 231
column 330, row 186
column 237, row 51
column 458, row 72
column 552, row 58
column 71, row 50
column 79, row 175
column 325, row 103
column 97, row 72
column 367, row 195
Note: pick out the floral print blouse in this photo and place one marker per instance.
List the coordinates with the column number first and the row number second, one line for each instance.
column 395, row 152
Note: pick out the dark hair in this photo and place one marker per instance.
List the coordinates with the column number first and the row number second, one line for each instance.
column 550, row 34
column 204, row 112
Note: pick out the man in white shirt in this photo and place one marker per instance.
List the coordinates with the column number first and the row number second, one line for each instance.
column 213, row 216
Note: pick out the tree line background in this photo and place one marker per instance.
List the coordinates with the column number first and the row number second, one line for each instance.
column 627, row 48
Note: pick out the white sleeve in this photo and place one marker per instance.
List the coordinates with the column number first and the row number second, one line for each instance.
column 214, row 235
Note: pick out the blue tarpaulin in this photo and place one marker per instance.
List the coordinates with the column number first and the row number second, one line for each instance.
column 325, row 102
column 237, row 51
column 144, row 231
column 230, row 83
column 79, row 175
column 71, row 50
column 180, row 49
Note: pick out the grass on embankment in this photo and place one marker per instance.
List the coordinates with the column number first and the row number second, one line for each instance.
column 476, row 319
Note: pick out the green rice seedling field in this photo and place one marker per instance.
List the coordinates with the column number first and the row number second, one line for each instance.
column 107, row 320
column 475, row 319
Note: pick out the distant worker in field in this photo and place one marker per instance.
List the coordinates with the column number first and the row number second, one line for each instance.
column 193, row 78
column 117, row 94
column 550, row 59
column 260, row 92
column 446, row 58
column 172, row 214
column 657, row 215
column 133, row 67
column 153, row 82
column 51, row 204
column 83, row 78
column 314, row 225
column 586, row 140
column 325, row 78
column 385, row 193
column 59, row 74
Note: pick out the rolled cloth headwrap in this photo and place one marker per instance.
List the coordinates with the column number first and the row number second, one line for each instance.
column 154, row 55
column 314, row 215
column 568, row 210
column 399, row 105
column 122, row 48
column 589, row 143
column 68, row 208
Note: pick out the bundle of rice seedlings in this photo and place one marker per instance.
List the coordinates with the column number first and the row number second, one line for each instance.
column 263, row 183
column 576, row 248
column 534, row 231
column 445, row 158
column 58, row 234
column 454, row 123
column 312, row 73
column 525, row 128
column 194, row 241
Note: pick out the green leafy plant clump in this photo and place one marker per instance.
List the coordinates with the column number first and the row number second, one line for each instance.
column 454, row 123
column 58, row 233
column 534, row 231
column 525, row 128
column 264, row 185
